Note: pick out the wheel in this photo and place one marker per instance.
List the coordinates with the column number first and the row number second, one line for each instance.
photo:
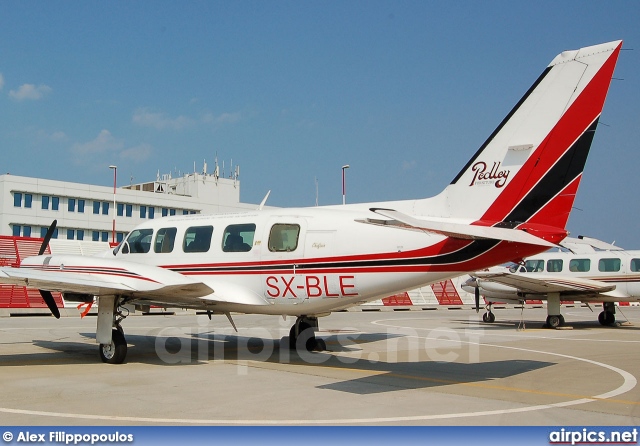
column 115, row 352
column 606, row 318
column 553, row 321
column 321, row 346
column 292, row 338
column 488, row 317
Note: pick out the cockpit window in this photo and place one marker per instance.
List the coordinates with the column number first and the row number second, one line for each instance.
column 534, row 266
column 197, row 239
column 554, row 265
column 609, row 265
column 238, row 238
column 165, row 240
column 138, row 242
column 580, row 265
column 283, row 237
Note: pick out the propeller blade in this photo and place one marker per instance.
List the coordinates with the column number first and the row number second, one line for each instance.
column 51, row 303
column 47, row 237
column 477, row 296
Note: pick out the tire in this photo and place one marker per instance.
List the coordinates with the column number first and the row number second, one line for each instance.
column 115, row 352
column 553, row 321
column 488, row 317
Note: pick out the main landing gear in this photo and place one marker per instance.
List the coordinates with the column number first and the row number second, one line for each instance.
column 303, row 335
column 608, row 315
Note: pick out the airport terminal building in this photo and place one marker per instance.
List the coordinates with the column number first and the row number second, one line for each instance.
column 85, row 212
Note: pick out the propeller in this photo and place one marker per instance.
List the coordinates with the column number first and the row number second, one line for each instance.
column 46, row 295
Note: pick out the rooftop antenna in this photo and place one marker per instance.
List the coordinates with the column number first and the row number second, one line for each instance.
column 204, row 169
column 316, row 191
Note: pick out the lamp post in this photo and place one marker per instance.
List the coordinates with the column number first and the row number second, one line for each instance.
column 113, row 230
column 344, row 185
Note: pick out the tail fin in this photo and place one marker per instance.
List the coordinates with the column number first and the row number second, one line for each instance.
column 530, row 167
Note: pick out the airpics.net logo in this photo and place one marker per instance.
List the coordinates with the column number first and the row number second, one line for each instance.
column 590, row 436
column 485, row 175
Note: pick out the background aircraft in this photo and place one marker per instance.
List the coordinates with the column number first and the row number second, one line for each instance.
column 511, row 200
column 589, row 271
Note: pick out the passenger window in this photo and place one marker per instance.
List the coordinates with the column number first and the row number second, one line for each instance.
column 165, row 240
column 554, row 266
column 635, row 265
column 534, row 266
column 283, row 237
column 238, row 238
column 580, row 265
column 197, row 239
column 138, row 242
column 609, row 265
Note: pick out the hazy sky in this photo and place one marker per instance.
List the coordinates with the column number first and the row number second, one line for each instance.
column 403, row 91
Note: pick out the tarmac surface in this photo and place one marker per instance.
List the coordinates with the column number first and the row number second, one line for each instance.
column 382, row 368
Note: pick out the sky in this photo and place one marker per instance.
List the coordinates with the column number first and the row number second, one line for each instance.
column 403, row 91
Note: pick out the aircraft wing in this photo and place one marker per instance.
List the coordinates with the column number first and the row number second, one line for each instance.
column 534, row 283
column 139, row 283
column 459, row 230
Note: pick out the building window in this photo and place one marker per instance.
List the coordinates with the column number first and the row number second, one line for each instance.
column 105, row 236
column 129, row 210
column 143, row 211
column 43, row 232
column 81, row 206
column 71, row 204
column 172, row 212
column 152, row 212
column 28, row 198
column 16, row 230
column 165, row 212
column 26, row 231
column 55, row 203
column 95, row 236
column 185, row 212
column 119, row 236
column 55, row 233
column 105, row 208
column 80, row 234
column 71, row 234
column 17, row 199
column 120, row 209
column 45, row 202
column 96, row 207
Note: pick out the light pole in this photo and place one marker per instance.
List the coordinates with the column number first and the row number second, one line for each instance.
column 113, row 230
column 344, row 184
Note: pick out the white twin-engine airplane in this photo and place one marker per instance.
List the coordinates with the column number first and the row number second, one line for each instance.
column 591, row 271
column 511, row 200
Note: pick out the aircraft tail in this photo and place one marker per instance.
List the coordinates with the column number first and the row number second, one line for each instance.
column 527, row 173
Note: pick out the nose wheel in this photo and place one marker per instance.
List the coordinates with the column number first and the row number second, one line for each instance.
column 115, row 352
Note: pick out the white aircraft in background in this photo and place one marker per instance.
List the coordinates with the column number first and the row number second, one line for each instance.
column 591, row 272
column 511, row 200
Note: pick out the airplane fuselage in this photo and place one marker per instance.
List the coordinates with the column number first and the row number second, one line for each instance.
column 307, row 260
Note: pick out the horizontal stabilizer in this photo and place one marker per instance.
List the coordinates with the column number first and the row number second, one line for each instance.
column 459, row 230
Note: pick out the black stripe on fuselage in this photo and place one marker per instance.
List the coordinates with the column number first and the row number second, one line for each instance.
column 469, row 252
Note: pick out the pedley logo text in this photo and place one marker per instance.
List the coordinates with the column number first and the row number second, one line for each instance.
column 494, row 176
